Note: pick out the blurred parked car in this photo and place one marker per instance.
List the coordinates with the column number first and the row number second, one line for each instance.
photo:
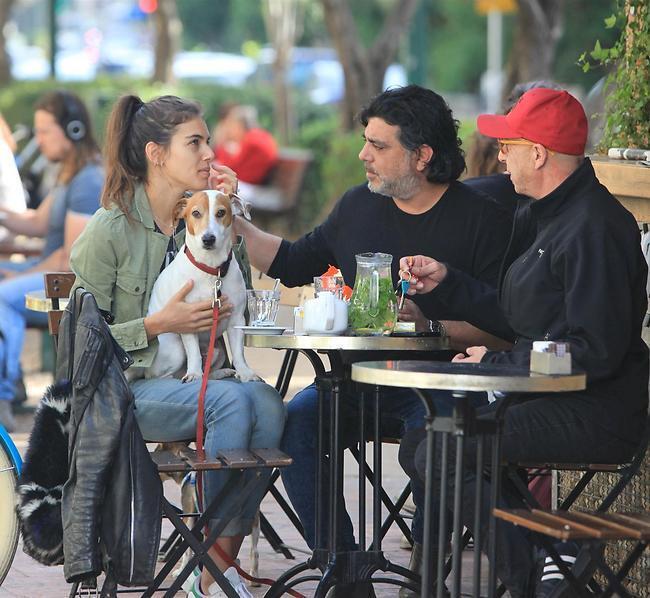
column 213, row 67
column 317, row 72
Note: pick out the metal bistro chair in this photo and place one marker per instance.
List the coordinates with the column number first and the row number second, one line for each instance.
column 57, row 288
column 623, row 472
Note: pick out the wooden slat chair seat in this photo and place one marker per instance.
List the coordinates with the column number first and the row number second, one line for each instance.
column 592, row 529
column 57, row 287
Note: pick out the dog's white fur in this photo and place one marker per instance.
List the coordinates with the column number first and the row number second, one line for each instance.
column 208, row 219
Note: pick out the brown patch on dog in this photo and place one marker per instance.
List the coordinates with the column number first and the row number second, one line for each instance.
column 199, row 203
column 223, row 201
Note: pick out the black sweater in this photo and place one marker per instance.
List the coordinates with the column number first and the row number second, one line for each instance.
column 465, row 229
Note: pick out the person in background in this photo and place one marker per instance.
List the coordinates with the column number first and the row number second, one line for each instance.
column 64, row 133
column 243, row 146
column 156, row 152
column 7, row 135
column 12, row 192
column 582, row 282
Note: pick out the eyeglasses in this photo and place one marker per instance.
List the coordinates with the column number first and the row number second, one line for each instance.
column 503, row 143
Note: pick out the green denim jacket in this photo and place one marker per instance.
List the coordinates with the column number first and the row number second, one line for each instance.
column 118, row 261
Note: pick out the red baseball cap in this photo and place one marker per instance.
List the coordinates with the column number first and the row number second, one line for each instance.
column 553, row 118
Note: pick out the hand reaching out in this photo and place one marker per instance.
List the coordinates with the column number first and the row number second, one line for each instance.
column 426, row 272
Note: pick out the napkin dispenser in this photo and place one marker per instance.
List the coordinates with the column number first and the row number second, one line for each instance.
column 548, row 357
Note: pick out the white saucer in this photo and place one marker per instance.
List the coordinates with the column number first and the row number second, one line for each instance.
column 268, row 330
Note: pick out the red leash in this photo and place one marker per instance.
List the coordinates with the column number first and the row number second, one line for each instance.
column 200, row 449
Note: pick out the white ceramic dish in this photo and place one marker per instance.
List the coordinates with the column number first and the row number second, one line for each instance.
column 268, row 330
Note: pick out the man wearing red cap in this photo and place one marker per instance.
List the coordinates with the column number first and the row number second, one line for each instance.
column 581, row 281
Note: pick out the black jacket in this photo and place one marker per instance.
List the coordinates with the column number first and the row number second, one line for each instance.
column 111, row 507
column 582, row 280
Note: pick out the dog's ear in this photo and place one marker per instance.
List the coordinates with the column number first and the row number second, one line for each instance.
column 179, row 208
column 240, row 207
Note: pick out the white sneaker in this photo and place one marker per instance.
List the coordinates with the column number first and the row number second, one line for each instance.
column 214, row 591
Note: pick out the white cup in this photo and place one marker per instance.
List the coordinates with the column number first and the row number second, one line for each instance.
column 326, row 314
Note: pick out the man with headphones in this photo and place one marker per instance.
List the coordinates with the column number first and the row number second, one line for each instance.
column 64, row 135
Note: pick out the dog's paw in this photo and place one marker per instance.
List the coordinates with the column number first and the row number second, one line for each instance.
column 247, row 375
column 222, row 373
column 191, row 376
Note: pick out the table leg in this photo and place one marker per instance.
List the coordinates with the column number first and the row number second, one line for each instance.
column 362, row 471
column 460, row 411
column 477, row 514
column 376, row 488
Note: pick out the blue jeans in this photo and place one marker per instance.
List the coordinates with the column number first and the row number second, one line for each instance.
column 14, row 317
column 238, row 415
column 401, row 411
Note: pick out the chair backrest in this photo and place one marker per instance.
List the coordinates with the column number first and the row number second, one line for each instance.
column 289, row 173
column 57, row 286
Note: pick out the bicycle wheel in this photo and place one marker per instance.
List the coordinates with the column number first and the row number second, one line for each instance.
column 9, row 530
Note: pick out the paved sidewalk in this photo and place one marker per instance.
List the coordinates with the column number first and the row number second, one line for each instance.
column 28, row 579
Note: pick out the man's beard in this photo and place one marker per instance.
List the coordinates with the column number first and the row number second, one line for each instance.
column 403, row 187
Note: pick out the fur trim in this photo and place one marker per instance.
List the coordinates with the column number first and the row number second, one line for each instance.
column 44, row 472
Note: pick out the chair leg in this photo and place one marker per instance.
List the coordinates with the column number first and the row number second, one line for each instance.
column 286, row 371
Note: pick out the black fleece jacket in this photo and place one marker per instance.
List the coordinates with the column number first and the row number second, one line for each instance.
column 582, row 280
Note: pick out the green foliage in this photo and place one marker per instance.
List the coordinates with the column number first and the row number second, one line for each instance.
column 220, row 24
column 457, row 46
column 582, row 25
column 628, row 103
column 336, row 167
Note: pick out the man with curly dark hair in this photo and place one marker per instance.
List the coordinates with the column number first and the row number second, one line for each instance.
column 412, row 200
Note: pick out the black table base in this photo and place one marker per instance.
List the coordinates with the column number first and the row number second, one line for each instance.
column 354, row 569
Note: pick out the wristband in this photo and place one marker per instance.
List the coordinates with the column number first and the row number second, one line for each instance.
column 437, row 328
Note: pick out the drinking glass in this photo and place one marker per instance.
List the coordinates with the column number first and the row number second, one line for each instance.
column 263, row 307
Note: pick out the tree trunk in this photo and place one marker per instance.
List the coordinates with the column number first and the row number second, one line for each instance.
column 364, row 68
column 168, row 29
column 539, row 27
column 281, row 22
column 5, row 62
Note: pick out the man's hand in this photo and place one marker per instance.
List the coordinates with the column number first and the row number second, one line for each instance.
column 410, row 312
column 471, row 355
column 427, row 273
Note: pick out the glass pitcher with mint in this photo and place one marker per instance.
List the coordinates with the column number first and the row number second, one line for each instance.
column 373, row 306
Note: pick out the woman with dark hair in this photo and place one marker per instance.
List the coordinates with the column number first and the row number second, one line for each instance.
column 156, row 152
column 64, row 135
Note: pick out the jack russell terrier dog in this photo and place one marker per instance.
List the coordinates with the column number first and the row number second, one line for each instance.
column 207, row 258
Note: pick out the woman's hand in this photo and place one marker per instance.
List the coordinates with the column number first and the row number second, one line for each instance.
column 427, row 273
column 185, row 318
column 410, row 312
column 223, row 179
column 474, row 355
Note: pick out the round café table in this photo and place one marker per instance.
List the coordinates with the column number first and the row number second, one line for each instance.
column 37, row 301
column 338, row 566
column 460, row 378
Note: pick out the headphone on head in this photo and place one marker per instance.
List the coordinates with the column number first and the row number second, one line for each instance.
column 71, row 122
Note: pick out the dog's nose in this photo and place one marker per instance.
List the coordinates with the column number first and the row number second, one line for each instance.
column 208, row 240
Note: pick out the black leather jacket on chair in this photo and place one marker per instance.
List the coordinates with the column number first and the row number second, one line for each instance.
column 111, row 507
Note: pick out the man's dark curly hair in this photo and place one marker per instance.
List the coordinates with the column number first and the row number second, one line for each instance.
column 424, row 118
